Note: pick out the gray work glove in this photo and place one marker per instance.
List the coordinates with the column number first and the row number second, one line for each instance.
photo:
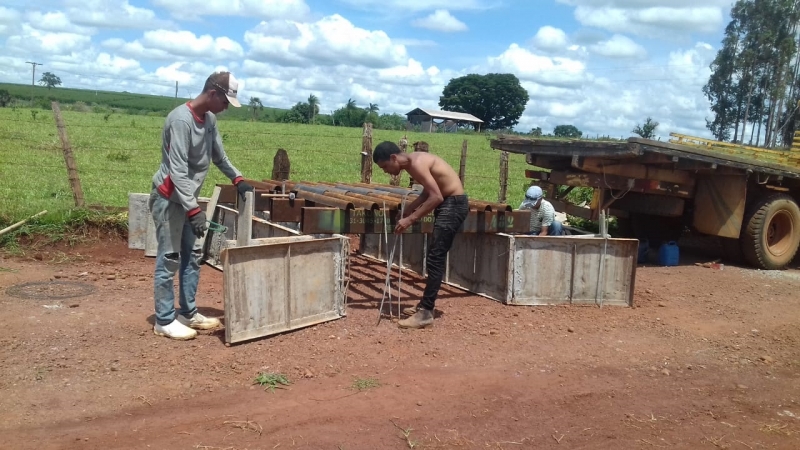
column 198, row 223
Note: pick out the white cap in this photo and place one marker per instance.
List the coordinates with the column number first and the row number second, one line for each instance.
column 233, row 88
column 227, row 83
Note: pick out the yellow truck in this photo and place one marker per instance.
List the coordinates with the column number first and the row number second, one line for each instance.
column 747, row 196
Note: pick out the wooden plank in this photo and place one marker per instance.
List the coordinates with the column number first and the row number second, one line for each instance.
column 266, row 229
column 572, row 210
column 274, row 288
column 783, row 157
column 632, row 170
column 719, row 205
column 710, row 156
column 549, row 162
column 558, row 147
column 614, row 182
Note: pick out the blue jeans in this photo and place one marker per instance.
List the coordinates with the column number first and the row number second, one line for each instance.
column 178, row 248
column 555, row 229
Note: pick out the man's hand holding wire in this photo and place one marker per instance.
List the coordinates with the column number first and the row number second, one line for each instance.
column 402, row 225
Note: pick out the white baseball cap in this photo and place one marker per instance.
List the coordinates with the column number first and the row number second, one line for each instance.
column 229, row 86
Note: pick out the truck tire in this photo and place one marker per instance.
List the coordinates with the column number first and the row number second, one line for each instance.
column 771, row 232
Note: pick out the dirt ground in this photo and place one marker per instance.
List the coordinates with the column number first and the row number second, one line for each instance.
column 707, row 359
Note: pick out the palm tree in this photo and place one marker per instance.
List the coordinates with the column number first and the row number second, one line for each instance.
column 373, row 108
column 313, row 107
column 351, row 104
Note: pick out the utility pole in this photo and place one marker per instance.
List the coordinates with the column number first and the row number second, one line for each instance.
column 176, row 89
column 33, row 76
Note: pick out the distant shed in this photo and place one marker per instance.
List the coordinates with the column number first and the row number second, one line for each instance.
column 426, row 119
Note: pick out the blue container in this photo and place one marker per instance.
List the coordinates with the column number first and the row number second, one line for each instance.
column 668, row 254
column 644, row 248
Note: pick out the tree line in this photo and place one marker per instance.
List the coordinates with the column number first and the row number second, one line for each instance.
column 754, row 83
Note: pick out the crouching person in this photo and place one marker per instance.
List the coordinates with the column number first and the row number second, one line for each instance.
column 543, row 215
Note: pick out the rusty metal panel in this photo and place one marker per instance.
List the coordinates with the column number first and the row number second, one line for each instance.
column 360, row 221
column 273, row 288
column 719, row 205
column 286, row 210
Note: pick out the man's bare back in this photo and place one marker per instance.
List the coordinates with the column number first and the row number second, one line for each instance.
column 423, row 164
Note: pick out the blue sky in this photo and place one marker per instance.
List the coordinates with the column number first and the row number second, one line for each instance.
column 601, row 65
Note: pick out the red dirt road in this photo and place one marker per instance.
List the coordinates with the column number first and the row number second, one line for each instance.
column 707, row 359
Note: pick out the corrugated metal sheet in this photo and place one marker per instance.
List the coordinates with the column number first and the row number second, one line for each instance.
column 437, row 114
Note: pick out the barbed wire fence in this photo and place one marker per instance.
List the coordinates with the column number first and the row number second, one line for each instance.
column 48, row 175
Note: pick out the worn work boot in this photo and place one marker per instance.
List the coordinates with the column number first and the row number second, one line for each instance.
column 411, row 310
column 200, row 322
column 423, row 318
column 175, row 330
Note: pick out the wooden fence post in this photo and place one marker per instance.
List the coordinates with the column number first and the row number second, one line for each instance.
column 403, row 144
column 366, row 154
column 72, row 168
column 280, row 165
column 501, row 196
column 462, row 167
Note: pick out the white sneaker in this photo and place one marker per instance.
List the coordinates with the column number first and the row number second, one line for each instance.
column 175, row 330
column 200, row 322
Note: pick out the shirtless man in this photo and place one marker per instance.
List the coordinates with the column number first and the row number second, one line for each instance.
column 443, row 194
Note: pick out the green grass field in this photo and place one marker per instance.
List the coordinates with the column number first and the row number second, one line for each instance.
column 119, row 155
column 106, row 101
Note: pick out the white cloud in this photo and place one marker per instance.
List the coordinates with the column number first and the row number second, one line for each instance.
column 619, row 47
column 282, row 61
column 614, row 104
column 55, row 22
column 651, row 21
column 550, row 39
column 440, row 20
column 332, row 40
column 545, row 70
column 112, row 14
column 135, row 49
column 259, row 9
column 9, row 19
column 415, row 6
column 169, row 45
column 36, row 41
column 415, row 42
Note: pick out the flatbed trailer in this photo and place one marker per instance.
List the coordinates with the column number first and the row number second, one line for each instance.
column 748, row 196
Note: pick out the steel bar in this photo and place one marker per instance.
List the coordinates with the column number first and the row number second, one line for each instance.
column 359, row 221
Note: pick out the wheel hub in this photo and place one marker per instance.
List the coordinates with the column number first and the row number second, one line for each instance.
column 780, row 233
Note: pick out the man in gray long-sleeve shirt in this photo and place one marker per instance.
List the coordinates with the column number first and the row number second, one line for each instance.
column 190, row 143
